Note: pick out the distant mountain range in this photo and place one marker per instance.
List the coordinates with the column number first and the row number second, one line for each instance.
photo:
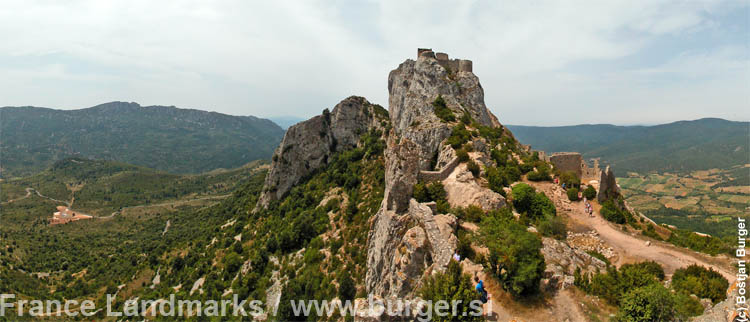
column 286, row 121
column 160, row 137
column 675, row 147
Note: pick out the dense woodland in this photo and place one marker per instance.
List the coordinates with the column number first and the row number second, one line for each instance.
column 159, row 137
column 675, row 147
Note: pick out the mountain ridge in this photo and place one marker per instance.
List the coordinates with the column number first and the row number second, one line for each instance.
column 160, row 137
column 678, row 146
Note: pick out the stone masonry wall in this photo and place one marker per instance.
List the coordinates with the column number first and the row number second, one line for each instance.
column 433, row 176
column 568, row 161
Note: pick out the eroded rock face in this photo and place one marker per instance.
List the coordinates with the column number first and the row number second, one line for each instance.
column 607, row 185
column 397, row 259
column 401, row 172
column 462, row 190
column 561, row 262
column 308, row 145
column 415, row 85
column 727, row 310
column 419, row 241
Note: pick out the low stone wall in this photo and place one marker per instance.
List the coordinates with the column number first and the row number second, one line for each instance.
column 432, row 176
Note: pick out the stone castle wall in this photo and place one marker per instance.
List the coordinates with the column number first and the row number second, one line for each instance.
column 442, row 174
column 591, row 172
column 568, row 161
column 454, row 65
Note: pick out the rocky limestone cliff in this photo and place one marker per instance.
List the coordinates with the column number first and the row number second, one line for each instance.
column 607, row 185
column 408, row 240
column 308, row 145
column 414, row 85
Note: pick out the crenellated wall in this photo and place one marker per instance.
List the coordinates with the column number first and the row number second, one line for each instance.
column 454, row 65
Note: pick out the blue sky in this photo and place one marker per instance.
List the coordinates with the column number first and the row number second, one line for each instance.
column 540, row 62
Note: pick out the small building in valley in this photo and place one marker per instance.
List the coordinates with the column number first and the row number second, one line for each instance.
column 64, row 215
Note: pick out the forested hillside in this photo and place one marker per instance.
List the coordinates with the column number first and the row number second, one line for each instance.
column 160, row 137
column 682, row 146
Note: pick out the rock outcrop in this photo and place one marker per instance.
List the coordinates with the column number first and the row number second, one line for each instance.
column 402, row 248
column 727, row 310
column 408, row 240
column 308, row 145
column 401, row 173
column 562, row 261
column 414, row 85
column 462, row 191
column 607, row 185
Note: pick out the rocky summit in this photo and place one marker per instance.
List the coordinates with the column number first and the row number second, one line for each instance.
column 434, row 189
column 308, row 145
column 414, row 86
column 409, row 239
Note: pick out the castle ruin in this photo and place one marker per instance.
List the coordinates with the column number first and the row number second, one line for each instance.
column 568, row 161
column 573, row 161
column 452, row 65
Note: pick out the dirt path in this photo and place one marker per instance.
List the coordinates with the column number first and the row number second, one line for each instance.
column 45, row 197
column 164, row 204
column 28, row 194
column 632, row 248
column 559, row 306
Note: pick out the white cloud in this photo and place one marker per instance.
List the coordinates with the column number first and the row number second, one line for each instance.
column 296, row 58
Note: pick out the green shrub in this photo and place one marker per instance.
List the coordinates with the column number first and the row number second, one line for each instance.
column 511, row 172
column 589, row 193
column 466, row 118
column 687, row 306
column 432, row 192
column 495, row 180
column 599, row 256
column 612, row 285
column 542, row 173
column 535, row 206
column 707, row 244
column 436, row 191
column 490, row 133
column 473, row 168
column 459, row 136
column 420, row 192
column 471, row 213
column 572, row 194
column 650, row 231
column 650, row 267
column 553, row 227
column 611, row 213
column 452, row 286
column 464, row 245
column 649, row 303
column 705, row 283
column 462, row 155
column 570, row 179
column 232, row 262
column 442, row 111
column 347, row 289
column 514, row 253
column 500, row 157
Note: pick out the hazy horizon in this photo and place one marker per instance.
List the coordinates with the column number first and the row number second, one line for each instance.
column 542, row 63
column 295, row 119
